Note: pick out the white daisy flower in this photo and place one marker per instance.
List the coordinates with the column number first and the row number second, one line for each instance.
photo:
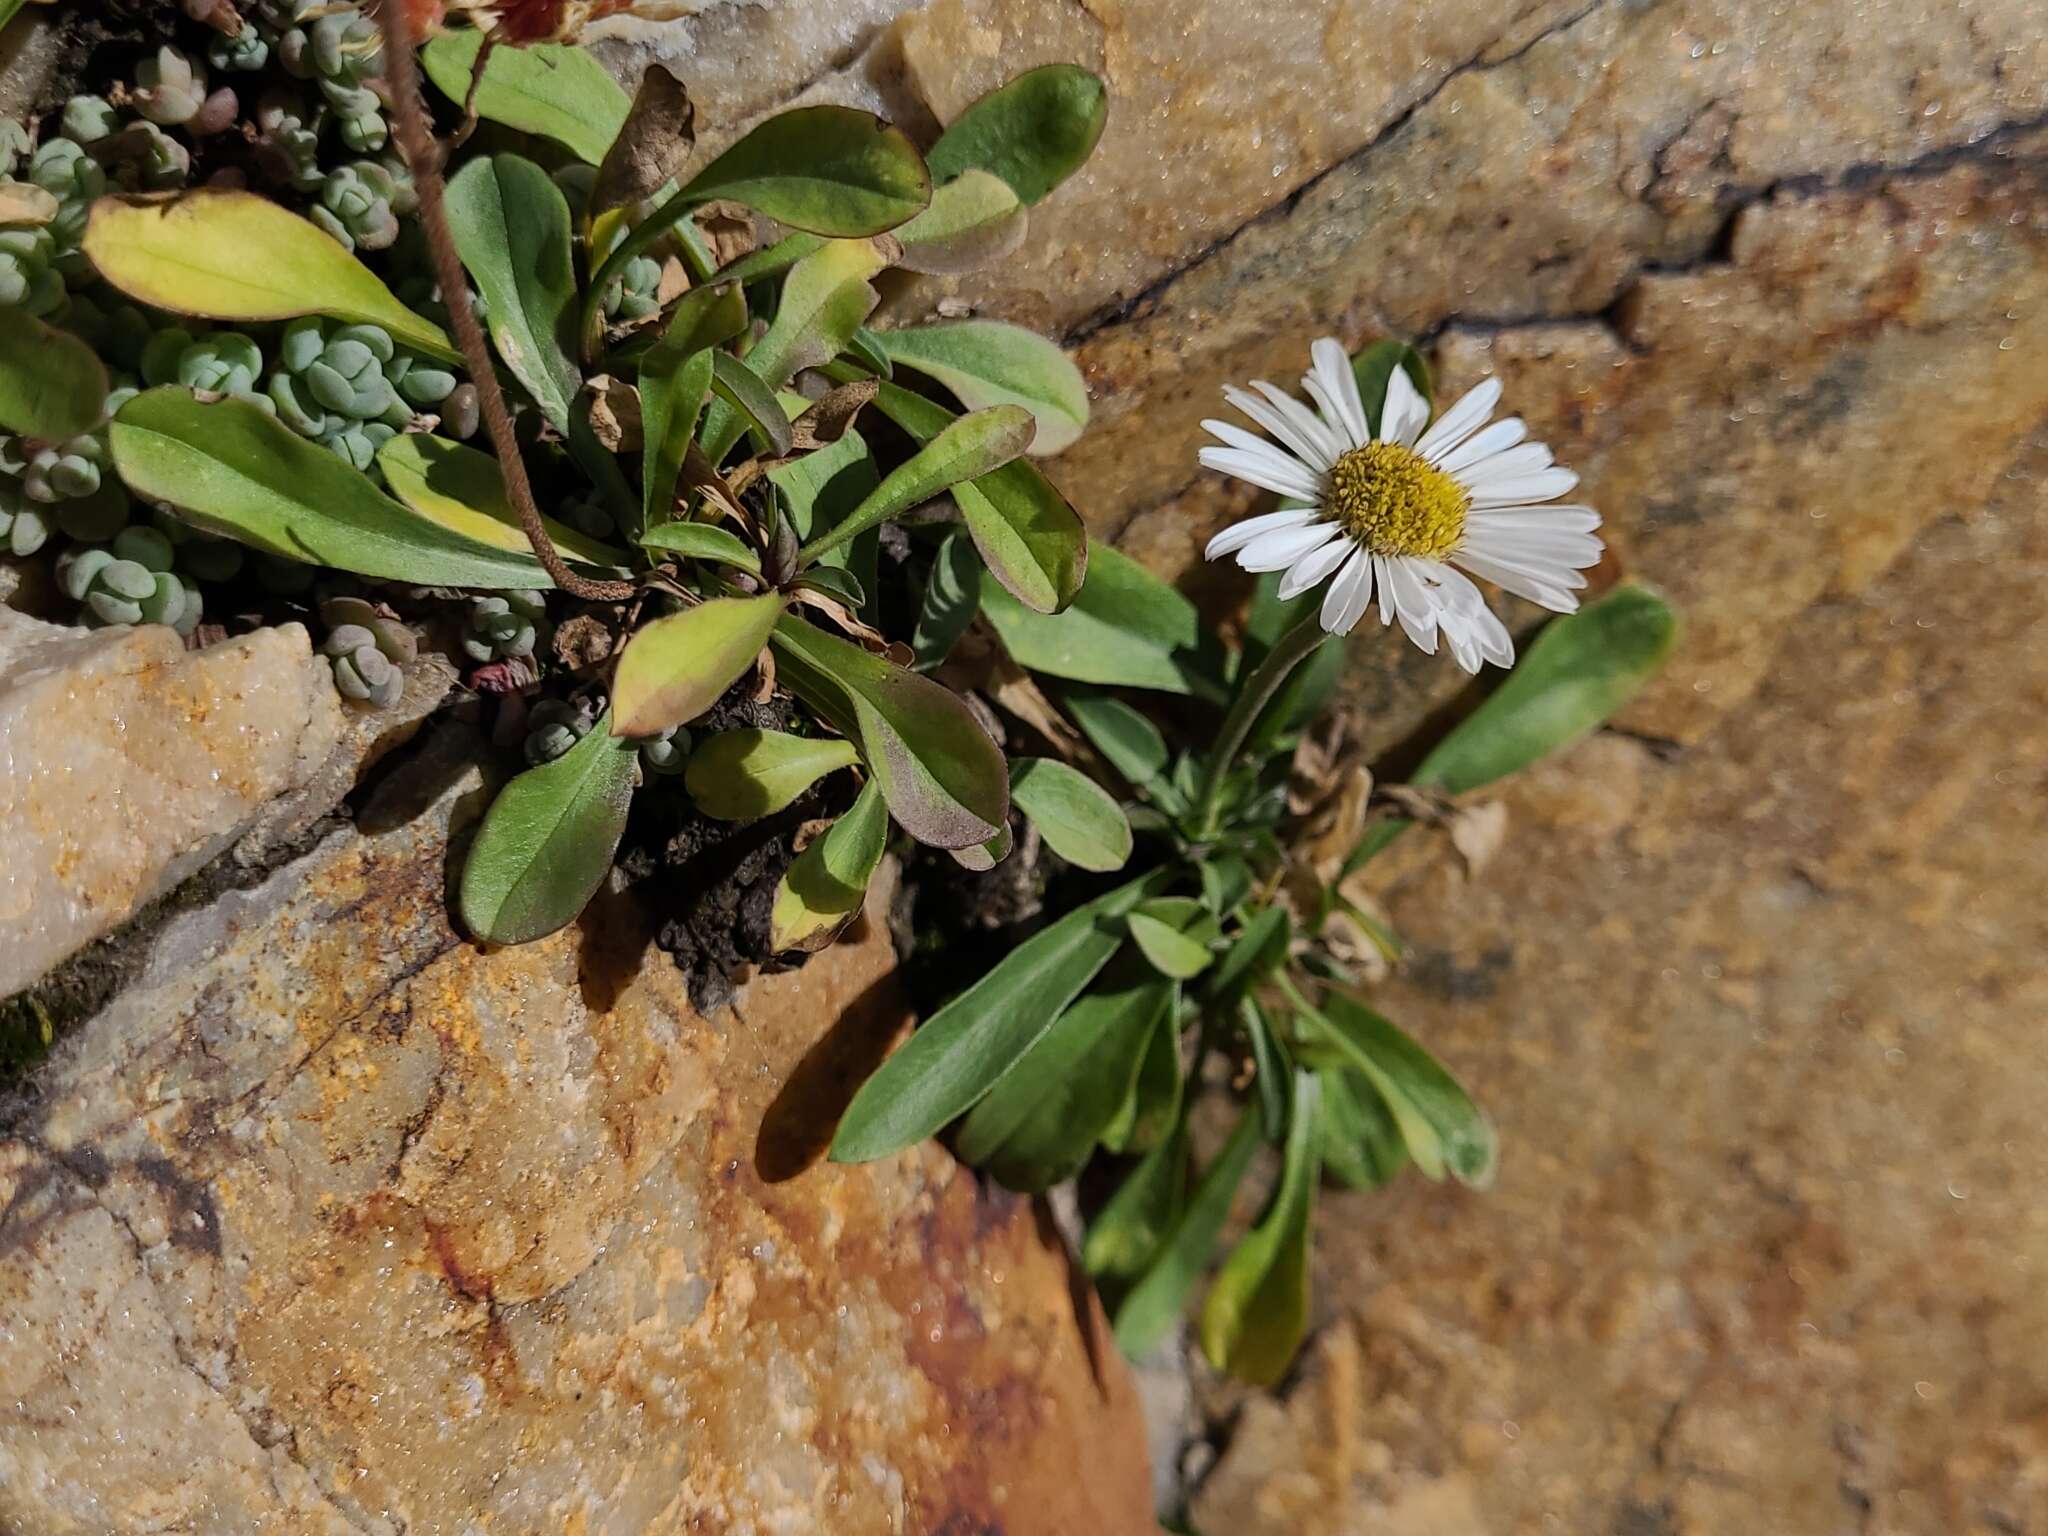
column 1401, row 510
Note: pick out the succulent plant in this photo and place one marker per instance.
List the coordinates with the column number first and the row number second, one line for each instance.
column 130, row 583
column 288, row 142
column 118, row 332
column 358, row 116
column 142, row 157
column 369, row 650
column 504, row 625
column 355, row 206
column 636, row 295
column 461, row 414
column 419, row 381
column 96, row 518
column 15, row 144
column 62, row 471
column 200, row 555
column 553, row 726
column 247, row 51
column 24, row 526
column 225, row 362
column 28, row 275
column 170, row 87
column 667, row 754
column 88, row 119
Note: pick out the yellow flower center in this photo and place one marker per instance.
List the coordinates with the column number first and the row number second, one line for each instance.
column 1394, row 502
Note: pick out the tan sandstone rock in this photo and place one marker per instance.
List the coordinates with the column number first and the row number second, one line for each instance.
column 334, row 1222
column 130, row 762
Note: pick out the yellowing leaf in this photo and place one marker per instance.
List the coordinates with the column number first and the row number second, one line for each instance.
column 676, row 668
column 230, row 255
column 824, row 888
column 741, row 775
column 463, row 491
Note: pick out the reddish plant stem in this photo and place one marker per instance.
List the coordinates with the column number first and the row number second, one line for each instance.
column 423, row 157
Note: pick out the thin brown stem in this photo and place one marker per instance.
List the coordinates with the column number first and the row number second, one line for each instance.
column 423, row 156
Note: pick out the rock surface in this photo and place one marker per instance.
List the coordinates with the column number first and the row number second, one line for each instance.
column 130, row 762
column 332, row 1222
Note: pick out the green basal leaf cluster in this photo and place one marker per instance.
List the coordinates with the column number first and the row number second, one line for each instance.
column 251, row 394
column 1234, row 949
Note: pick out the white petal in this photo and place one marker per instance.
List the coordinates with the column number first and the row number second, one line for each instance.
column 1414, row 604
column 1466, row 609
column 1484, row 445
column 1276, row 551
column 1576, row 519
column 1558, row 545
column 1542, row 485
column 1460, row 421
column 1309, row 570
column 1261, row 451
column 1270, row 471
column 1311, row 447
column 1344, row 604
column 1324, row 439
column 1513, row 579
column 1509, row 464
column 1237, row 535
column 1340, row 384
column 1404, row 411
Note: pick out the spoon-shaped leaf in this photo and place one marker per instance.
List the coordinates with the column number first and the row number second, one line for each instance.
column 943, row 777
column 1079, row 820
column 1037, row 1126
column 969, row 447
column 1125, row 628
column 676, row 668
column 744, row 399
column 547, row 841
column 828, row 170
column 824, row 888
column 675, row 379
column 1153, row 1304
column 1033, row 132
column 1257, row 1310
column 741, row 775
column 511, row 227
column 1581, row 669
column 1125, row 1235
column 1030, row 538
column 973, row 221
column 51, row 384
column 235, row 256
column 553, row 89
column 239, row 472
column 961, row 1051
column 952, row 597
column 702, row 541
column 1362, row 1146
column 985, row 362
column 464, row 491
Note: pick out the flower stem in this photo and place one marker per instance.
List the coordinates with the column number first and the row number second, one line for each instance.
column 1292, row 649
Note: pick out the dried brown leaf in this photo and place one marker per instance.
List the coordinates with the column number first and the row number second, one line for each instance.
column 653, row 145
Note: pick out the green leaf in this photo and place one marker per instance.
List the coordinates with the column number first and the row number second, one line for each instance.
column 1582, row 668
column 823, row 486
column 556, row 90
column 824, row 888
column 985, row 362
column 702, row 541
column 827, row 170
column 511, row 227
column 742, row 775
column 1126, row 629
column 1271, row 1072
column 1030, row 538
column 1260, row 946
column 961, row 1051
column 51, row 384
column 970, row 447
column 1037, row 1126
column 867, row 351
column 547, row 841
column 972, row 221
column 1153, row 1105
column 236, row 471
column 744, row 399
column 1130, row 742
column 463, row 491
column 770, row 260
column 1443, row 1129
column 1161, row 929
column 236, row 256
column 1153, row 1304
column 1034, row 132
column 1079, row 820
column 1362, row 1146
column 675, row 377
column 983, row 857
column 837, row 583
column 1127, row 1232
column 952, row 597
column 1375, row 365
column 943, row 778
column 676, row 668
column 1256, row 1313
